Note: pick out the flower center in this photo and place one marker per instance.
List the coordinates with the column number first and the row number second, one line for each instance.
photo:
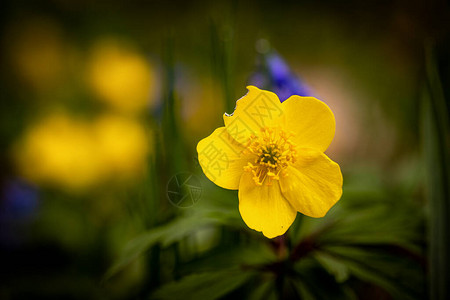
column 273, row 151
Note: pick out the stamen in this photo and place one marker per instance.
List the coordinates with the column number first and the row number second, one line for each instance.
column 273, row 151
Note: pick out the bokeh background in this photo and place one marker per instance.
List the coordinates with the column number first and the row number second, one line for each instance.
column 103, row 103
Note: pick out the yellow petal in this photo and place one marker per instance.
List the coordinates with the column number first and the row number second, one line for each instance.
column 311, row 120
column 221, row 159
column 263, row 208
column 257, row 109
column 313, row 184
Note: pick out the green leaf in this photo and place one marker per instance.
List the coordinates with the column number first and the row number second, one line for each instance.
column 398, row 275
column 302, row 290
column 164, row 235
column 312, row 281
column 232, row 255
column 182, row 227
column 333, row 265
column 264, row 291
column 400, row 226
column 204, row 286
column 435, row 146
column 133, row 250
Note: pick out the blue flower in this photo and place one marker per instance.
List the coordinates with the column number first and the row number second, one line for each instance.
column 18, row 206
column 274, row 74
column 19, row 200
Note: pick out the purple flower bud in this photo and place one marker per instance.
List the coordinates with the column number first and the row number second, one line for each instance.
column 19, row 200
column 273, row 73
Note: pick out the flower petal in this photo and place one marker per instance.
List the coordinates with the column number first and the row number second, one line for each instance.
column 257, row 109
column 263, row 208
column 221, row 159
column 313, row 184
column 311, row 120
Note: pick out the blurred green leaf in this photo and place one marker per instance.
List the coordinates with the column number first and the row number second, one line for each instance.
column 264, row 291
column 233, row 255
column 133, row 250
column 435, row 134
column 164, row 235
column 302, row 290
column 363, row 226
column 213, row 210
column 335, row 267
column 222, row 56
column 205, row 286
column 312, row 280
column 397, row 274
column 182, row 227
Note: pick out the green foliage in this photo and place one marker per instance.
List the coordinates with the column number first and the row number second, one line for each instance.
column 164, row 235
column 207, row 286
column 376, row 242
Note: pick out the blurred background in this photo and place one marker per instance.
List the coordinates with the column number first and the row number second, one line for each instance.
column 103, row 104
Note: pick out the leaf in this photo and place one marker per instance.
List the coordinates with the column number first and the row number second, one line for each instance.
column 264, row 291
column 333, row 265
column 363, row 226
column 381, row 281
column 302, row 290
column 232, row 255
column 182, row 227
column 397, row 274
column 133, row 250
column 204, row 286
column 312, row 281
column 164, row 235
column 435, row 146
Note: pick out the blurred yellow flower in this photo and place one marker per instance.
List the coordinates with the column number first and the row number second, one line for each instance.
column 77, row 155
column 121, row 77
column 272, row 152
column 59, row 150
column 123, row 144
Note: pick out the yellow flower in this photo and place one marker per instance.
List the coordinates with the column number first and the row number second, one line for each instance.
column 124, row 145
column 59, row 150
column 78, row 155
column 272, row 152
column 121, row 76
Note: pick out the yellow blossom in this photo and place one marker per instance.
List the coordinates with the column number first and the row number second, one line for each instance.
column 120, row 76
column 59, row 150
column 123, row 144
column 272, row 152
column 78, row 154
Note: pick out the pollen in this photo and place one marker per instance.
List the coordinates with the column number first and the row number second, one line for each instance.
column 273, row 151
